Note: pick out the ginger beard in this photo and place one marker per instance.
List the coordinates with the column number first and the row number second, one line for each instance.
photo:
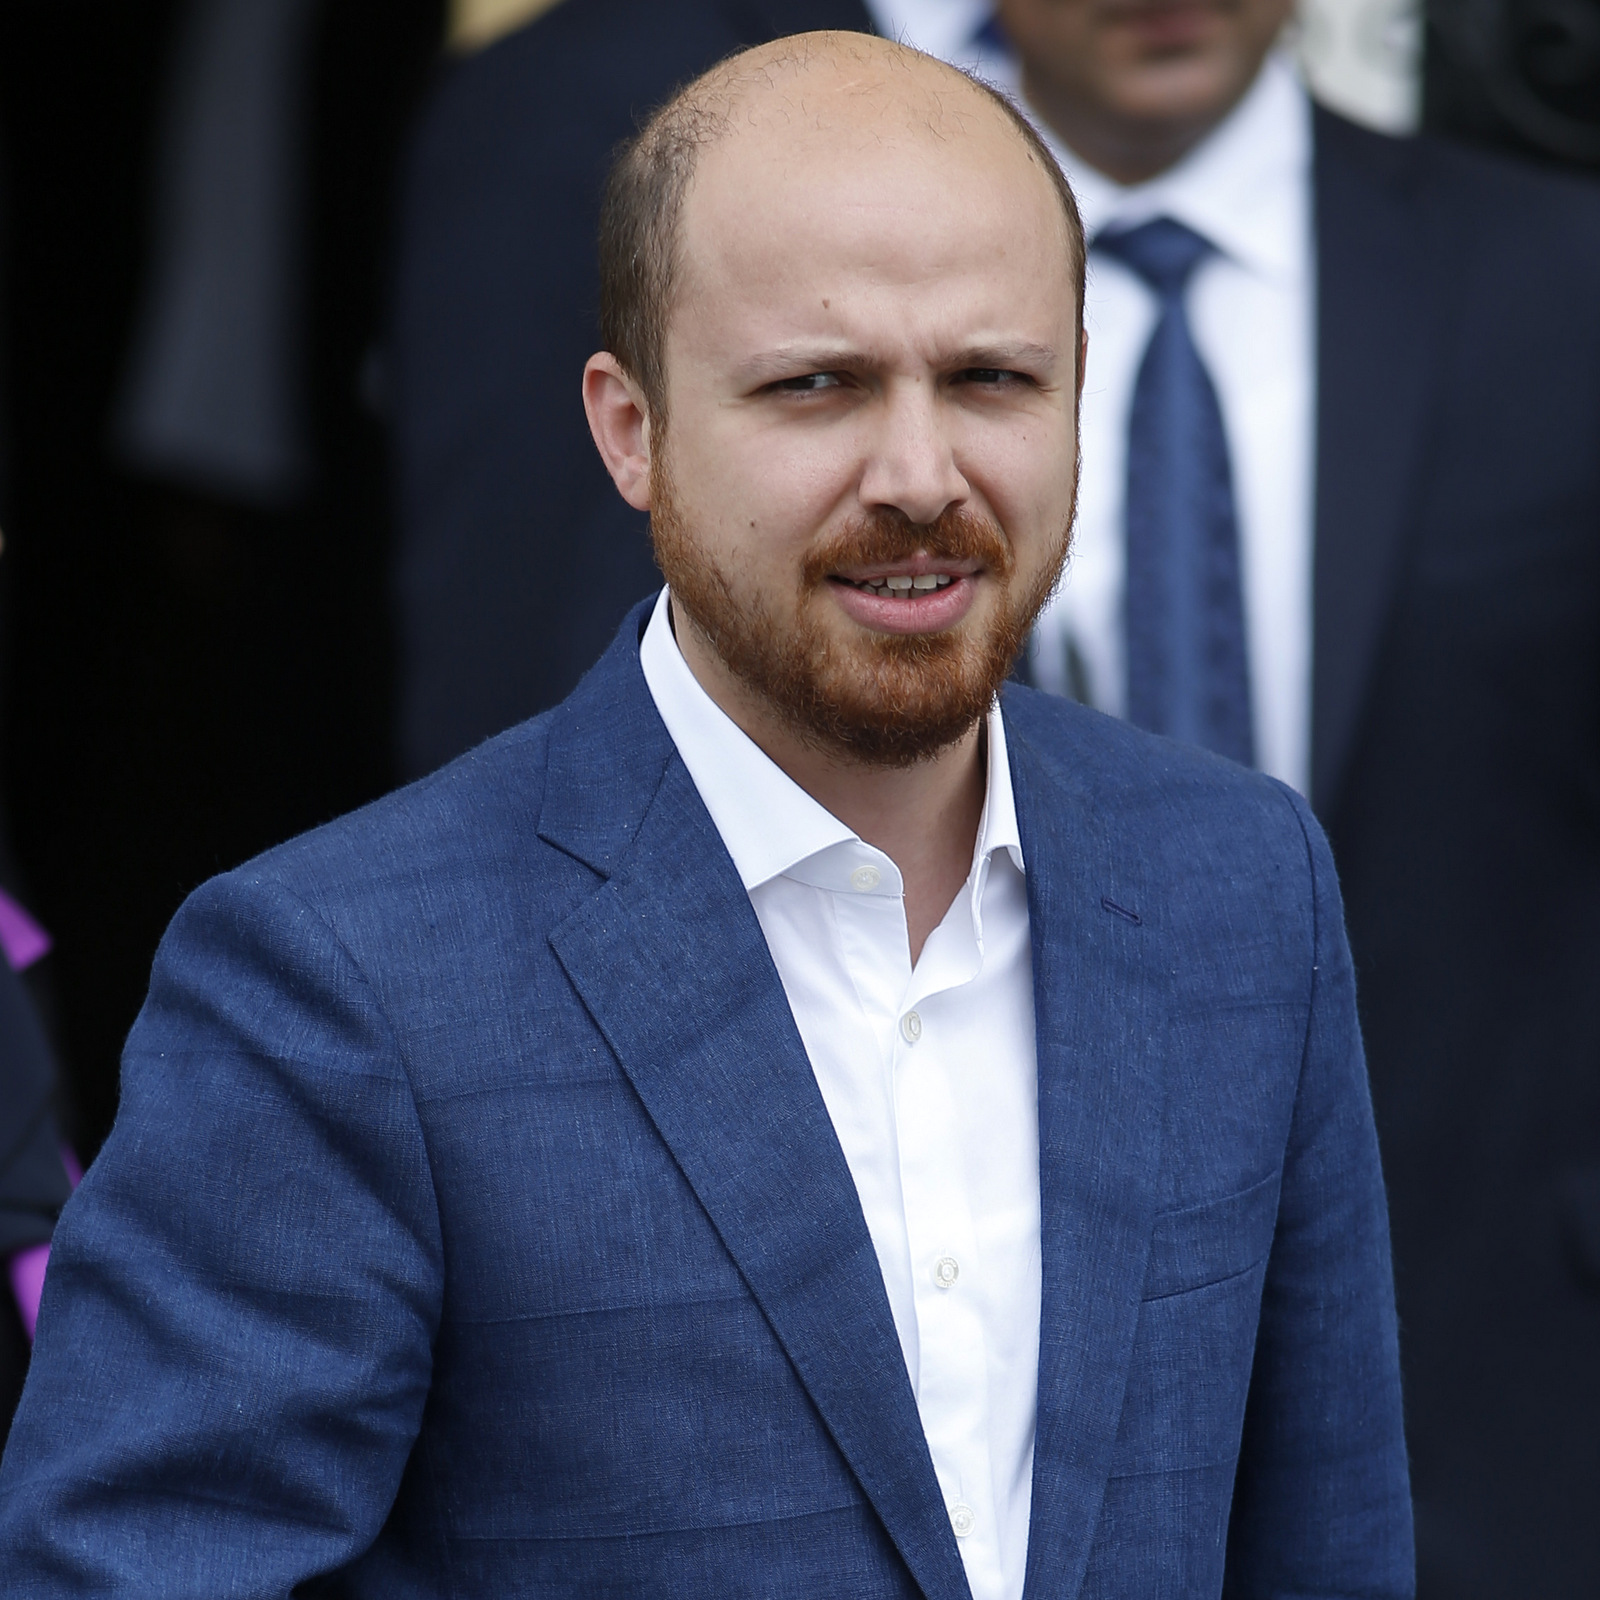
column 881, row 699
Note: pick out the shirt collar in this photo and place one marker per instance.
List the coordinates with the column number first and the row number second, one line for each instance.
column 1244, row 187
column 770, row 825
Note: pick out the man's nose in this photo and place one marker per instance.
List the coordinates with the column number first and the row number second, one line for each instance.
column 912, row 465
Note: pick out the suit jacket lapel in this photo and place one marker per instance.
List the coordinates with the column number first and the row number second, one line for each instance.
column 670, row 961
column 1375, row 336
column 1099, row 987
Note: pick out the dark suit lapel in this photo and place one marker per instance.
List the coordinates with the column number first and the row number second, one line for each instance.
column 670, row 961
column 1100, row 980
column 1376, row 319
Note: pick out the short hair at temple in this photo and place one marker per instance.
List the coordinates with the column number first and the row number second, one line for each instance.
column 641, row 215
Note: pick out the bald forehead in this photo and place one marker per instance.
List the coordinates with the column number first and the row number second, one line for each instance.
column 847, row 113
column 841, row 80
column 845, row 89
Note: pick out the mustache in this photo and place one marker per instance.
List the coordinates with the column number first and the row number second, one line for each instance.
column 886, row 535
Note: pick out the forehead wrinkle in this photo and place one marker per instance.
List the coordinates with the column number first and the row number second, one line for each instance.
column 931, row 112
column 827, row 97
column 709, row 249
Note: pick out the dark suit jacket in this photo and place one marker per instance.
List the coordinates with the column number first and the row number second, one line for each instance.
column 1456, row 750
column 517, row 558
column 473, row 1224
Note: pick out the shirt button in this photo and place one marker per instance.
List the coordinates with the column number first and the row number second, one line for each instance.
column 945, row 1271
column 911, row 1027
column 962, row 1519
column 865, row 879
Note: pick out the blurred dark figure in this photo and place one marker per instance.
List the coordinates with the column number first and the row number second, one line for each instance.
column 33, row 1174
column 198, row 657
column 1451, row 526
column 214, row 395
column 33, row 1181
column 518, row 559
column 1520, row 75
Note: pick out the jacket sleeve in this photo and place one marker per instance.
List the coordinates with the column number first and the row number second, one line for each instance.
column 1322, row 1503
column 234, row 1346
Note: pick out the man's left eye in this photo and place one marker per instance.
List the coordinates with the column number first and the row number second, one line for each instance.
column 987, row 375
column 808, row 382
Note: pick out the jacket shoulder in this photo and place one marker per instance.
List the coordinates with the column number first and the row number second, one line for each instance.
column 1498, row 194
column 1193, row 815
column 465, row 821
column 503, row 832
column 1108, row 758
column 1224, row 868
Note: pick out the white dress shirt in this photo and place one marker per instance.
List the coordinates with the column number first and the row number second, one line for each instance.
column 1251, row 306
column 1251, row 309
column 930, row 1078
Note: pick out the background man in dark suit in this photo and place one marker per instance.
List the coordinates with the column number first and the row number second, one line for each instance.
column 782, row 1122
column 516, row 557
column 1403, row 341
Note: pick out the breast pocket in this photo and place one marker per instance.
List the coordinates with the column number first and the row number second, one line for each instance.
column 1209, row 1243
column 1189, row 1370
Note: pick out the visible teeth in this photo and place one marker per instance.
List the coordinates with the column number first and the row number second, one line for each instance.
column 903, row 588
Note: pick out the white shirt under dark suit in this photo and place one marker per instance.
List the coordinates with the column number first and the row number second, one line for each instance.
column 1251, row 306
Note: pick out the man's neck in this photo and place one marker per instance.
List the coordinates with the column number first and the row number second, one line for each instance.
column 924, row 817
column 1128, row 152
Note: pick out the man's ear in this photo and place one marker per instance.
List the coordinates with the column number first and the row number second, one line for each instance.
column 619, row 419
column 1083, row 360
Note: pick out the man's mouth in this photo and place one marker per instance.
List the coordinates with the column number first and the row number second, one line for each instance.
column 933, row 595
column 903, row 586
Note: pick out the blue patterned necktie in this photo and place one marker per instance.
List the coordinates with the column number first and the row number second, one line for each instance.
column 1188, row 670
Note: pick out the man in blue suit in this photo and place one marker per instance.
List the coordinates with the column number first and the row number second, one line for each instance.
column 785, row 1122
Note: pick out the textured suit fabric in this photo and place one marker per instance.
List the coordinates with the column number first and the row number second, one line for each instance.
column 473, row 1223
column 517, row 559
column 1456, row 749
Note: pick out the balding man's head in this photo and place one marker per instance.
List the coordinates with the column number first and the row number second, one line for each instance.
column 798, row 98
column 852, row 279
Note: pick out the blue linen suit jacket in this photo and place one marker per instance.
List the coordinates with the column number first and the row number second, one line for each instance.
column 473, row 1224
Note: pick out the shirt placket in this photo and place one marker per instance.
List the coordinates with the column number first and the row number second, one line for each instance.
column 951, row 1381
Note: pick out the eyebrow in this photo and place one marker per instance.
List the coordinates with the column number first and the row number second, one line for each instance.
column 771, row 365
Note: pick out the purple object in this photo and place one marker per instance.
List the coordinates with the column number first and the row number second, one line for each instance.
column 27, row 1267
column 22, row 939
column 27, row 1283
column 24, row 942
